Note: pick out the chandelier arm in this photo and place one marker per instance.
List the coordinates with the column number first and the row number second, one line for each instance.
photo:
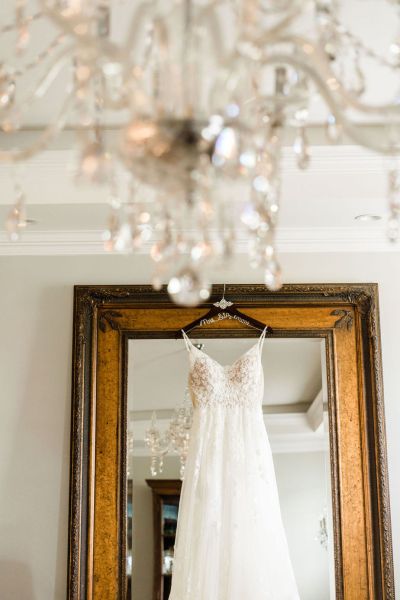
column 273, row 10
column 299, row 44
column 207, row 14
column 283, row 24
column 143, row 13
column 44, row 139
column 353, row 132
column 138, row 21
column 102, row 44
column 48, row 79
column 286, row 21
column 13, row 26
column 356, row 41
column 161, row 44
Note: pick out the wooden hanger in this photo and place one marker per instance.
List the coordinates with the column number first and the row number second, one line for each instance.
column 227, row 307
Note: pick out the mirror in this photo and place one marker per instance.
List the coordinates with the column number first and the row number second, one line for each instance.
column 295, row 414
column 322, row 478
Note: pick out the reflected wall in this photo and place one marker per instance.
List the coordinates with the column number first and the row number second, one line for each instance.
column 295, row 415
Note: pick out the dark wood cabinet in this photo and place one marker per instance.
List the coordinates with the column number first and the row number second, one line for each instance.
column 166, row 494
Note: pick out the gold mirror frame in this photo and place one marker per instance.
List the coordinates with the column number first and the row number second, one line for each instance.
column 345, row 316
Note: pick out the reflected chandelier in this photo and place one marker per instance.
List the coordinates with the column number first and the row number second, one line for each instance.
column 174, row 440
column 203, row 92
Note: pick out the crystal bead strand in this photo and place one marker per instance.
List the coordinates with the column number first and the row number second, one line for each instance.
column 158, row 444
column 23, row 35
column 130, row 449
column 16, row 220
column 394, row 205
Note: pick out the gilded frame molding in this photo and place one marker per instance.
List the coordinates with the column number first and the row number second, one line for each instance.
column 350, row 310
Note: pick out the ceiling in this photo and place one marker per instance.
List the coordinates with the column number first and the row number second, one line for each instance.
column 318, row 206
column 295, row 396
column 292, row 370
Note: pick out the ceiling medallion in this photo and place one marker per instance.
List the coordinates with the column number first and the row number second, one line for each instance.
column 203, row 92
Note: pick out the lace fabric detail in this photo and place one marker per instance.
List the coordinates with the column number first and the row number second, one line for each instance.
column 239, row 384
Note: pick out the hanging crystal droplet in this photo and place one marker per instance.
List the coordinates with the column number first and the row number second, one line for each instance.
column 23, row 38
column 16, row 219
column 11, row 225
column 226, row 147
column 95, row 164
column 182, row 469
column 123, row 240
column 11, row 121
column 113, row 226
column 393, row 229
column 153, row 466
column 189, row 287
column 333, row 129
column 394, row 50
column 202, row 250
column 301, row 149
column 157, row 282
column 250, row 216
column 273, row 275
column 163, row 251
column 7, row 88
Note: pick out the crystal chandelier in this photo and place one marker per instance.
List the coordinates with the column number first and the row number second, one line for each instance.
column 203, row 92
column 175, row 439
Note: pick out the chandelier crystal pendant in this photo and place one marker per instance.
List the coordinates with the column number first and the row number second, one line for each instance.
column 203, row 92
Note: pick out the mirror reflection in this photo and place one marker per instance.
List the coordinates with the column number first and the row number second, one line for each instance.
column 231, row 513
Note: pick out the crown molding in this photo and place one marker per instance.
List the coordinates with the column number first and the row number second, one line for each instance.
column 289, row 240
column 45, row 171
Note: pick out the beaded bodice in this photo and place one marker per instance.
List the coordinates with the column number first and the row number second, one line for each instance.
column 238, row 384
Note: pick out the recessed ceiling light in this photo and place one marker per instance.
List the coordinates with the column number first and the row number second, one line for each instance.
column 368, row 217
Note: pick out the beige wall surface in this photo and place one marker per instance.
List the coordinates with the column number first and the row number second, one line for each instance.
column 35, row 373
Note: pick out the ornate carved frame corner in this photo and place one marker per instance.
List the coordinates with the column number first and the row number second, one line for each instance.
column 101, row 310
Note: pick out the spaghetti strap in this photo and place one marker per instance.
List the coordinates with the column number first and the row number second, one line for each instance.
column 262, row 338
column 187, row 341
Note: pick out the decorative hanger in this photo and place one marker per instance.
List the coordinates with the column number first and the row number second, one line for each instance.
column 224, row 309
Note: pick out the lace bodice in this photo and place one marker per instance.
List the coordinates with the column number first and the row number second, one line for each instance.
column 238, row 384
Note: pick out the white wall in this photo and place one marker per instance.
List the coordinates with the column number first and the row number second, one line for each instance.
column 35, row 372
column 303, row 495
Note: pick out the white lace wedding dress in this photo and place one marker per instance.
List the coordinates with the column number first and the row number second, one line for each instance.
column 230, row 543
